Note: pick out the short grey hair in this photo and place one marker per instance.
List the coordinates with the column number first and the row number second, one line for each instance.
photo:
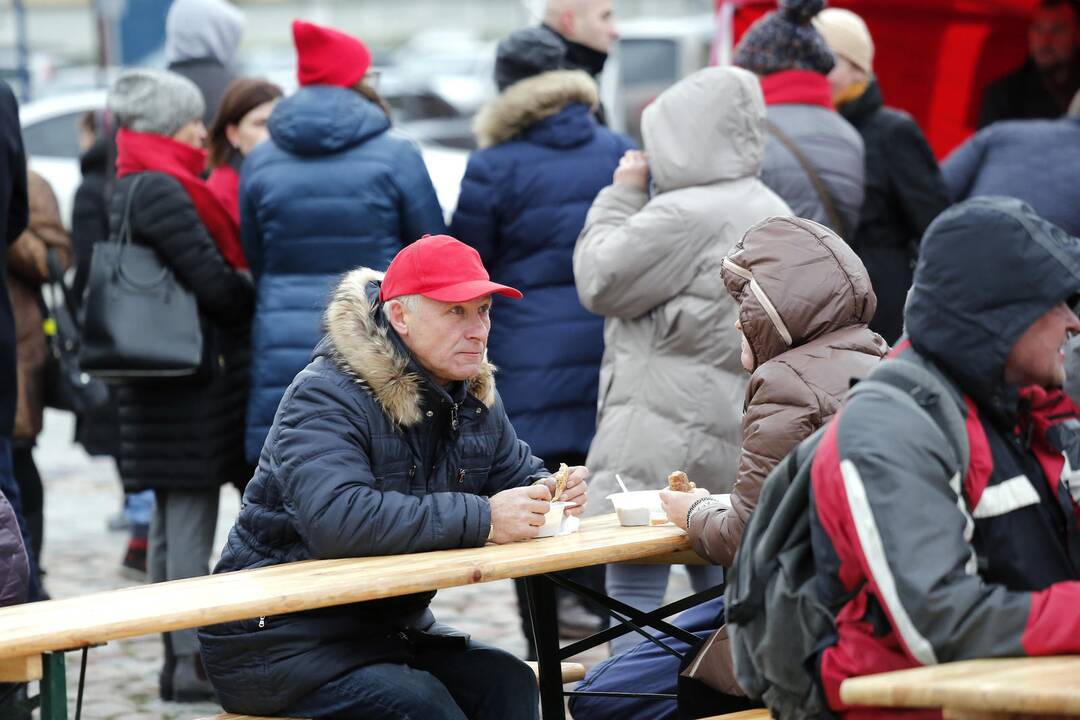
column 409, row 302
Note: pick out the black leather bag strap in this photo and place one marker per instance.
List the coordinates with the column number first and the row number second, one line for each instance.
column 820, row 188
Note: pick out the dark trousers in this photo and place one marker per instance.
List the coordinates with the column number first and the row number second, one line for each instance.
column 646, row 668
column 32, row 493
column 475, row 683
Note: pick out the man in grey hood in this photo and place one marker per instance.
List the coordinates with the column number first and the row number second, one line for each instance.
column 201, row 40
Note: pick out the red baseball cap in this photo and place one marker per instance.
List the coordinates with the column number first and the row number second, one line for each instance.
column 441, row 268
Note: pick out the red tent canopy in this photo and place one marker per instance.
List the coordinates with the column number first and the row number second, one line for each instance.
column 933, row 57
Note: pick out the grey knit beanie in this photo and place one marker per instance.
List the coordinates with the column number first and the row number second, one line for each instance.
column 785, row 40
column 154, row 101
column 527, row 52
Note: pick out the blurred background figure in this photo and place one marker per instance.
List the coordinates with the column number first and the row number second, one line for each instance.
column 201, row 40
column 1003, row 160
column 586, row 28
column 27, row 270
column 90, row 211
column 671, row 383
column 523, row 202
column 14, row 216
column 904, row 187
column 183, row 438
column 813, row 158
column 240, row 125
column 332, row 190
column 1044, row 85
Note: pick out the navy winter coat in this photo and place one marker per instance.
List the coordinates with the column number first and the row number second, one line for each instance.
column 1037, row 161
column 367, row 456
column 333, row 190
column 523, row 203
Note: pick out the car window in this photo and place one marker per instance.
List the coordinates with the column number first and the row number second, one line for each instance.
column 648, row 61
column 53, row 137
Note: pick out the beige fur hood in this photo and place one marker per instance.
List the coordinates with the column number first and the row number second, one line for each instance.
column 363, row 348
column 529, row 101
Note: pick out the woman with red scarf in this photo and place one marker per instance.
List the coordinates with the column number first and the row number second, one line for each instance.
column 183, row 439
column 240, row 125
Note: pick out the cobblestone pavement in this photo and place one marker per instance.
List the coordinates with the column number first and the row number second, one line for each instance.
column 82, row 556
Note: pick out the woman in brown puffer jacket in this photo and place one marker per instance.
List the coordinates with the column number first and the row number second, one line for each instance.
column 804, row 303
column 28, row 270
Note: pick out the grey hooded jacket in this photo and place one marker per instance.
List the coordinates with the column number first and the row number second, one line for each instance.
column 201, row 40
column 671, row 383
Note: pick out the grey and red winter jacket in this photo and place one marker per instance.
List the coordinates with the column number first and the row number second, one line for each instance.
column 923, row 565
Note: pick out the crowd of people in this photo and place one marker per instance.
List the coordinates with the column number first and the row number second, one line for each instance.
column 701, row 303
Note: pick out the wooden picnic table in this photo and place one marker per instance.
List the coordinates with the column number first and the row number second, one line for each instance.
column 27, row 632
column 977, row 689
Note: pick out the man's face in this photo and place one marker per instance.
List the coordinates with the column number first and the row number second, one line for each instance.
column 1038, row 357
column 1053, row 36
column 448, row 339
column 591, row 23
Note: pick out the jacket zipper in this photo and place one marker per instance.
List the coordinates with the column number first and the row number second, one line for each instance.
column 262, row 621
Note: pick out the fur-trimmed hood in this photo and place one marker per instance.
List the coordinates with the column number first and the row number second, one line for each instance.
column 529, row 101
column 362, row 346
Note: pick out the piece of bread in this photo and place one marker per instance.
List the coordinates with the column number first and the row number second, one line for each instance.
column 679, row 482
column 561, row 477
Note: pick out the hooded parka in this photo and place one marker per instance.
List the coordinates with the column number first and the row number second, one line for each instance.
column 367, row 456
column 332, row 190
column 523, row 203
column 924, row 561
column 804, row 303
column 671, row 384
column 201, row 41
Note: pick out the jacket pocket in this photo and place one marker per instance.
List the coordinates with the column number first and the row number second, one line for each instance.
column 470, row 479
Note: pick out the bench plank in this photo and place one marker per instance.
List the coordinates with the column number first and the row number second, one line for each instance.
column 1040, row 685
column 148, row 609
column 21, row 669
column 759, row 714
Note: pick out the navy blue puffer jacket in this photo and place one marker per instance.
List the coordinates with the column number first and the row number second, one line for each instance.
column 367, row 456
column 523, row 203
column 334, row 189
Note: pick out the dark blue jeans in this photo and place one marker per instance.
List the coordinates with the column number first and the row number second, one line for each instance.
column 646, row 668
column 477, row 683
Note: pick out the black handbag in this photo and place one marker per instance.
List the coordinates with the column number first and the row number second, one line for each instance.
column 67, row 387
column 140, row 321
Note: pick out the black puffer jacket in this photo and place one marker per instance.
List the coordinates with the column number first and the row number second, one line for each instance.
column 367, row 456
column 189, row 433
column 904, row 193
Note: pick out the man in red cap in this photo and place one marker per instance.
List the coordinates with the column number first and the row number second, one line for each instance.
column 393, row 440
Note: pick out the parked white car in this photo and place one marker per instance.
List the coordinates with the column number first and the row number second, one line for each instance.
column 50, row 133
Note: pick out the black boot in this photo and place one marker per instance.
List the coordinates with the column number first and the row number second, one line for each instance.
column 165, row 679
column 190, row 683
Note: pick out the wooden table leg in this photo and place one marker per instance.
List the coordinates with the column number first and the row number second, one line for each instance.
column 541, row 592
column 53, row 687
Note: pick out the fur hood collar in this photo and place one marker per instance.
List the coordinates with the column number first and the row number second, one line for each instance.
column 529, row 101
column 362, row 346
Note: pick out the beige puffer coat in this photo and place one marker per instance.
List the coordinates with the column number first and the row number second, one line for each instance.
column 804, row 303
column 671, row 385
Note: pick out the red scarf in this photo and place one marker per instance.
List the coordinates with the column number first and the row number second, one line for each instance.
column 224, row 182
column 797, row 87
column 148, row 152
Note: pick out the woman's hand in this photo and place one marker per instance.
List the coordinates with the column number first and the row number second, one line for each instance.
column 677, row 504
column 633, row 170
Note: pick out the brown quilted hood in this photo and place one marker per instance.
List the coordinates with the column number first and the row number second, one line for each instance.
column 795, row 281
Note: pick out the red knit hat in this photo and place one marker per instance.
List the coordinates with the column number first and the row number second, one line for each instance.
column 441, row 268
column 328, row 57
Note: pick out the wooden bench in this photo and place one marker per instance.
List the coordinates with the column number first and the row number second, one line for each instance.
column 36, row 635
column 759, row 714
column 571, row 672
